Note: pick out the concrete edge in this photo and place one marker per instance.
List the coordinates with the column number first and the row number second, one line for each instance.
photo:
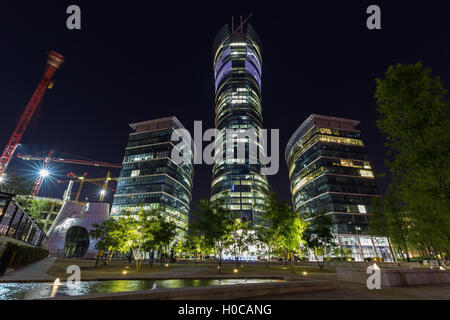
column 211, row 292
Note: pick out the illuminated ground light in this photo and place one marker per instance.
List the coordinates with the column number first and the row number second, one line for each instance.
column 166, row 265
column 304, row 273
column 235, row 270
column 124, row 272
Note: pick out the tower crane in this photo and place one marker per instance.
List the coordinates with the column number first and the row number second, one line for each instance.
column 46, row 160
column 102, row 182
column 54, row 61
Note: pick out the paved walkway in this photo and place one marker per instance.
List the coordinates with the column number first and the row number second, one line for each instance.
column 36, row 271
column 355, row 291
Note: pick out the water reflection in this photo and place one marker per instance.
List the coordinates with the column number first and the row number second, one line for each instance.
column 37, row 290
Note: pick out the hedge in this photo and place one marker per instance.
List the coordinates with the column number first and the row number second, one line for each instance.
column 16, row 256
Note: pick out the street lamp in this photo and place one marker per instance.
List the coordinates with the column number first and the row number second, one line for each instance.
column 44, row 173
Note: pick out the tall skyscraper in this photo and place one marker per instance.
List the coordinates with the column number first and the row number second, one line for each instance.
column 150, row 178
column 237, row 72
column 330, row 174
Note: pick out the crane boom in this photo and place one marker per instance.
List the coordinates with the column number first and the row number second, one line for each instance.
column 53, row 62
column 72, row 161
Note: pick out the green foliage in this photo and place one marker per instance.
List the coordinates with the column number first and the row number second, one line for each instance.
column 15, row 256
column 282, row 229
column 216, row 225
column 390, row 219
column 34, row 207
column 196, row 244
column 413, row 114
column 241, row 236
column 319, row 238
column 137, row 232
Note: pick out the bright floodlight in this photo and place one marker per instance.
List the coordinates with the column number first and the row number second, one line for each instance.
column 2, row 179
column 103, row 192
column 44, row 173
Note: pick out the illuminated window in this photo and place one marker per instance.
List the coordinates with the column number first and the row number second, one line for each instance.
column 362, row 208
column 135, row 173
column 366, row 173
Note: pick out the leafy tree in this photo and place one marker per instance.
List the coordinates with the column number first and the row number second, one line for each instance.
column 107, row 242
column 318, row 237
column 266, row 232
column 137, row 232
column 290, row 231
column 241, row 236
column 414, row 115
column 195, row 244
column 34, row 207
column 215, row 224
column 282, row 229
column 131, row 235
column 390, row 219
column 161, row 233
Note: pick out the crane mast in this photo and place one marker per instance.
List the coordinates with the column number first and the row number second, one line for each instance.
column 54, row 61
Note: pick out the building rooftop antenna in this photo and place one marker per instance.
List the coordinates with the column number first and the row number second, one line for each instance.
column 241, row 26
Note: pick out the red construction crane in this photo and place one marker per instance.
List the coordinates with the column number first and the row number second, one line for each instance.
column 54, row 61
column 48, row 159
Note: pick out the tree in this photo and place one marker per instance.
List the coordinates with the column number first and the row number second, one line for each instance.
column 318, row 237
column 390, row 219
column 282, row 229
column 266, row 232
column 241, row 236
column 290, row 232
column 163, row 232
column 196, row 244
column 215, row 224
column 131, row 235
column 137, row 232
column 414, row 115
column 34, row 207
column 107, row 242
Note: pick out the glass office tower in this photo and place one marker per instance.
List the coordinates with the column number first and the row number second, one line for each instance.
column 330, row 174
column 237, row 73
column 150, row 178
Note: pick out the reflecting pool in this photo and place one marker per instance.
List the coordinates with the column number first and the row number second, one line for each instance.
column 37, row 290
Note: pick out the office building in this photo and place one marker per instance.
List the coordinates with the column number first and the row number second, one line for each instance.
column 237, row 73
column 330, row 174
column 150, row 178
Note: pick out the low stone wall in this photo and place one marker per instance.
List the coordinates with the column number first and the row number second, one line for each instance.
column 396, row 277
column 228, row 292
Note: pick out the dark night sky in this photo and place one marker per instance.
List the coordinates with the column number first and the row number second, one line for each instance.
column 132, row 62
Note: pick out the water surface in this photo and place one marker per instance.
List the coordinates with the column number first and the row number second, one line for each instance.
column 37, row 290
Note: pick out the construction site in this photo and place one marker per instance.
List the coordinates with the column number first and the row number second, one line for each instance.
column 42, row 162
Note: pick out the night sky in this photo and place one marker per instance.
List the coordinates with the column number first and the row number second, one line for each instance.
column 133, row 62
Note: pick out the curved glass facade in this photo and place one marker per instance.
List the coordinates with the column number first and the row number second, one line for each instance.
column 330, row 174
column 150, row 178
column 237, row 73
